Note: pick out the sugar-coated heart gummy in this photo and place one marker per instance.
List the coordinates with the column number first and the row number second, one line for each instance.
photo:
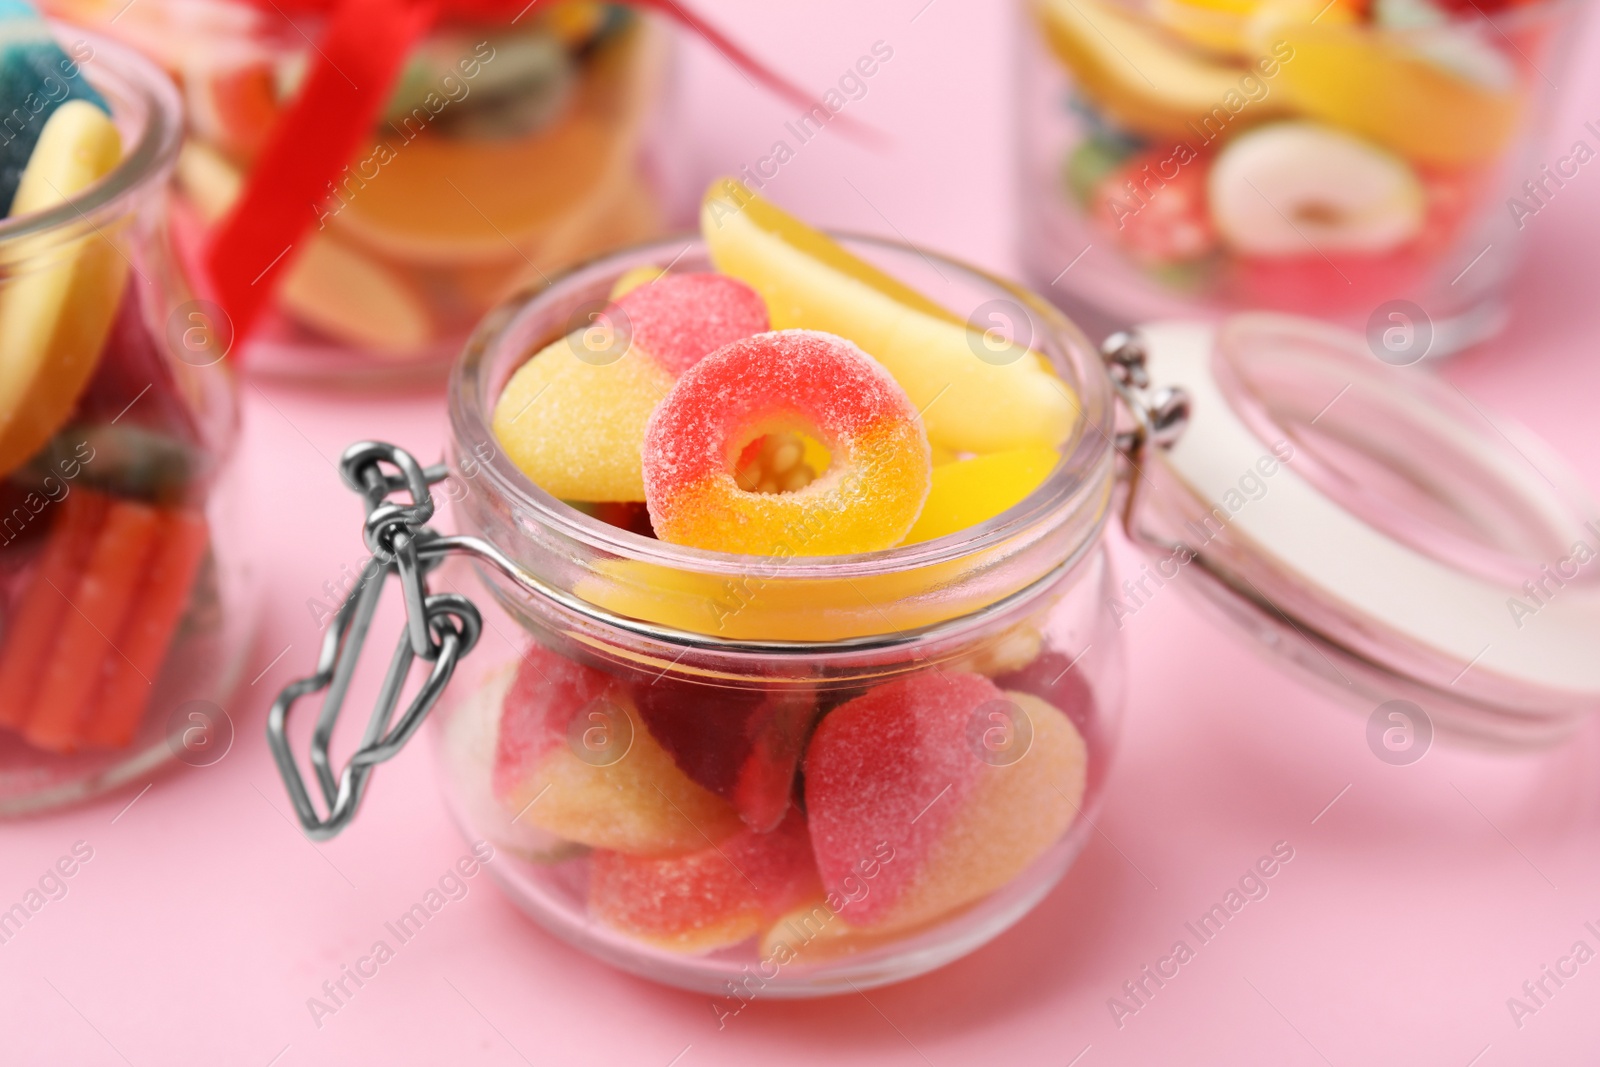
column 680, row 318
column 890, row 768
column 898, row 768
column 573, row 417
column 574, row 758
column 741, row 744
column 1060, row 679
column 710, row 898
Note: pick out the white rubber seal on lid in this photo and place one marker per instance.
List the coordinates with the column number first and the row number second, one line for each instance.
column 1351, row 566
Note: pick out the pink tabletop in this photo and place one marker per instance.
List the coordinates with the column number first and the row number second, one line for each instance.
column 1418, row 900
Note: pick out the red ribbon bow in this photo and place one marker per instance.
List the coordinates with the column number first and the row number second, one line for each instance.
column 352, row 71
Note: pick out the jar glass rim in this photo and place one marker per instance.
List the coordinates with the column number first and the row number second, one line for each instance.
column 1081, row 471
column 121, row 74
column 1509, row 18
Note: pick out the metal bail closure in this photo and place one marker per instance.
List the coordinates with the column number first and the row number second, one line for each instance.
column 440, row 629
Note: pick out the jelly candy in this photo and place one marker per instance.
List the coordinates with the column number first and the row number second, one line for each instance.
column 95, row 623
column 1157, row 217
column 1059, row 680
column 573, row 417
column 909, row 820
column 1302, row 188
column 970, row 404
column 680, row 318
column 574, row 758
column 741, row 744
column 969, row 491
column 796, row 381
column 467, row 749
column 60, row 297
column 36, row 80
column 712, row 898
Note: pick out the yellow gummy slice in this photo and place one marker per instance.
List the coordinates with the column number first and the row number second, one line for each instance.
column 970, row 491
column 1228, row 26
column 1378, row 87
column 56, row 307
column 810, row 282
column 575, row 426
column 1143, row 79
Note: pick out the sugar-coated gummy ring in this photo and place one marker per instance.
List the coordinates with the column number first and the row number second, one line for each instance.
column 791, row 381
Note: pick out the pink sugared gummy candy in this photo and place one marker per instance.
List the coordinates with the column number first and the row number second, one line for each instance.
column 555, row 768
column 792, row 382
column 707, row 899
column 908, row 820
column 681, row 318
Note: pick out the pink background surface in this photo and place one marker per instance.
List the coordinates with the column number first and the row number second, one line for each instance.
column 1413, row 907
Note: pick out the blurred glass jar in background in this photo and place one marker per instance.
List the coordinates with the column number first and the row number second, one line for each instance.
column 126, row 609
column 1347, row 159
column 505, row 151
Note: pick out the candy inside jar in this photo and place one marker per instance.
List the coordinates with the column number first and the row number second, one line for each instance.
column 804, row 670
column 816, row 712
column 1342, row 160
column 124, row 611
column 504, row 150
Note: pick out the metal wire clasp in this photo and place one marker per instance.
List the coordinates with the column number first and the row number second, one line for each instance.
column 1159, row 414
column 440, row 629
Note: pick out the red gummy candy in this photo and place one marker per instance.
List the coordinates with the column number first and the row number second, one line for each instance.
column 681, row 318
column 710, row 898
column 1163, row 219
column 543, row 696
column 886, row 773
column 739, row 743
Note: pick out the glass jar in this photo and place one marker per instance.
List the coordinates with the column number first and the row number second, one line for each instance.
column 1371, row 164
column 792, row 776
column 425, row 231
column 125, row 611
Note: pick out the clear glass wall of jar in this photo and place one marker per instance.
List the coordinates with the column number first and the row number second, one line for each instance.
column 663, row 753
column 125, row 604
column 1375, row 164
column 505, row 152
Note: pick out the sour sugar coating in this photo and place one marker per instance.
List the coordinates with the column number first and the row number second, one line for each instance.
column 908, row 766
column 681, row 318
column 720, row 895
column 573, row 417
column 571, row 739
column 797, row 382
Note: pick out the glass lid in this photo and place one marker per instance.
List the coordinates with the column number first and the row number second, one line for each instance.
column 1374, row 526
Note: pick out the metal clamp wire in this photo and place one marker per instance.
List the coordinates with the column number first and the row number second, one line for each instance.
column 440, row 628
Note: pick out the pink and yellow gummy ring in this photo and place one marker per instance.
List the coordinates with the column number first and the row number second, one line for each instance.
column 734, row 426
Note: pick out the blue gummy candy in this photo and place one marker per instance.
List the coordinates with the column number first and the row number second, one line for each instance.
column 36, row 77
